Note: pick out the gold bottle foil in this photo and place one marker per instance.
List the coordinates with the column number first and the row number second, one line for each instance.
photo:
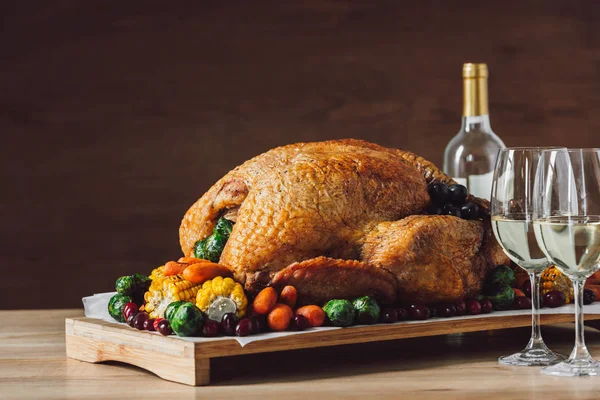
column 475, row 91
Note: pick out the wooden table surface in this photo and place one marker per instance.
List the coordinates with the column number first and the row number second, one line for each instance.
column 33, row 366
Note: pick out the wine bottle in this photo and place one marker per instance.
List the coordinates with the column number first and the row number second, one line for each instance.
column 470, row 156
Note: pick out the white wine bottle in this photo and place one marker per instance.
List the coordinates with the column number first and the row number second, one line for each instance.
column 470, row 157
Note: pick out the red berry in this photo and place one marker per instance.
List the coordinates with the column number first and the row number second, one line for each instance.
column 164, row 328
column 522, row 303
column 526, row 288
column 130, row 308
column 388, row 315
column 211, row 328
column 149, row 324
column 130, row 319
column 473, row 307
column 554, row 299
column 138, row 321
column 244, row 327
column 402, row 313
column 156, row 322
column 461, row 308
column 299, row 323
column 486, row 306
column 419, row 312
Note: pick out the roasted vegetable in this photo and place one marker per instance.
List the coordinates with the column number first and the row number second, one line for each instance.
column 224, row 227
column 499, row 277
column 220, row 296
column 340, row 312
column 164, row 290
column 210, row 248
column 172, row 308
column 187, row 320
column 115, row 306
column 201, row 272
column 503, row 299
column 367, row 310
column 552, row 279
column 134, row 286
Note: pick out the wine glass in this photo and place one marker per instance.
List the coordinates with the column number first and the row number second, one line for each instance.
column 512, row 223
column 567, row 229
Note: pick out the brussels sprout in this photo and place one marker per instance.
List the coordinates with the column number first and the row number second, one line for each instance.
column 172, row 308
column 340, row 312
column 115, row 306
column 367, row 310
column 187, row 320
column 499, row 277
column 133, row 285
column 503, row 299
column 200, row 249
column 223, row 227
column 211, row 247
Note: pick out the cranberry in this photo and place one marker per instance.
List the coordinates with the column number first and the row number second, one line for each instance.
column 164, row 328
column 446, row 310
column 522, row 303
column 156, row 322
column 418, row 312
column 299, row 323
column 486, row 306
column 461, row 308
column 388, row 315
column 589, row 296
column 211, row 328
column 130, row 308
column 244, row 327
column 138, row 321
column 526, row 288
column 149, row 324
column 130, row 319
column 554, row 299
column 473, row 307
column 228, row 324
column 402, row 313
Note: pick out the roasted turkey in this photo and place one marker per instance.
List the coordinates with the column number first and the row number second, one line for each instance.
column 340, row 219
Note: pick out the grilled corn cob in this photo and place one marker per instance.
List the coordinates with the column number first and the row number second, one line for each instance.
column 553, row 279
column 166, row 289
column 221, row 295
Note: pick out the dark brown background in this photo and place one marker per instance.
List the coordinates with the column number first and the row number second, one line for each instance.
column 116, row 116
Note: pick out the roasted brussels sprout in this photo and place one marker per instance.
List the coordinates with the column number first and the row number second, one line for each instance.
column 187, row 320
column 367, row 310
column 115, row 306
column 340, row 312
column 134, row 286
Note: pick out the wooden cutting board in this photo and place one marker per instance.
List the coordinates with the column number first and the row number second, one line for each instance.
column 178, row 360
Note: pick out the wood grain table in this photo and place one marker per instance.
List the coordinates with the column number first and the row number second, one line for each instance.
column 33, row 365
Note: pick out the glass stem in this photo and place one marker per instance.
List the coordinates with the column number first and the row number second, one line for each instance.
column 536, row 340
column 580, row 351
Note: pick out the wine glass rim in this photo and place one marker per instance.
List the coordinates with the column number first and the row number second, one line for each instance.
column 576, row 149
column 534, row 148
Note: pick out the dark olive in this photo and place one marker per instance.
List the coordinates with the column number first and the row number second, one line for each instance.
column 589, row 296
column 554, row 299
column 388, row 315
column 438, row 192
column 473, row 307
column 522, row 303
column 470, row 211
column 454, row 211
column 486, row 306
column 434, row 210
column 461, row 308
column 457, row 194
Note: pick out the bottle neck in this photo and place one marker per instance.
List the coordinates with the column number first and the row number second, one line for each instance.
column 476, row 123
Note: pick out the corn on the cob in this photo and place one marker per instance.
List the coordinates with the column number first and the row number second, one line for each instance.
column 165, row 290
column 222, row 291
column 553, row 279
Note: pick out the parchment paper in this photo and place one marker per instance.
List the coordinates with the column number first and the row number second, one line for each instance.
column 96, row 306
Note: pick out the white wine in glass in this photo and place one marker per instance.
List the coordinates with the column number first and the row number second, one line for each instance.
column 512, row 223
column 567, row 228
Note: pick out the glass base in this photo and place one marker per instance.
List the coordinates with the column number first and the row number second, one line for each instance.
column 574, row 367
column 537, row 357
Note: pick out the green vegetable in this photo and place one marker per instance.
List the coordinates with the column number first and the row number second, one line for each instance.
column 499, row 277
column 172, row 308
column 367, row 310
column 134, row 286
column 115, row 306
column 187, row 320
column 340, row 312
column 224, row 227
column 503, row 298
column 210, row 248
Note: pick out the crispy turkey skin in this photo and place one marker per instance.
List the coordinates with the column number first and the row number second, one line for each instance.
column 305, row 210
